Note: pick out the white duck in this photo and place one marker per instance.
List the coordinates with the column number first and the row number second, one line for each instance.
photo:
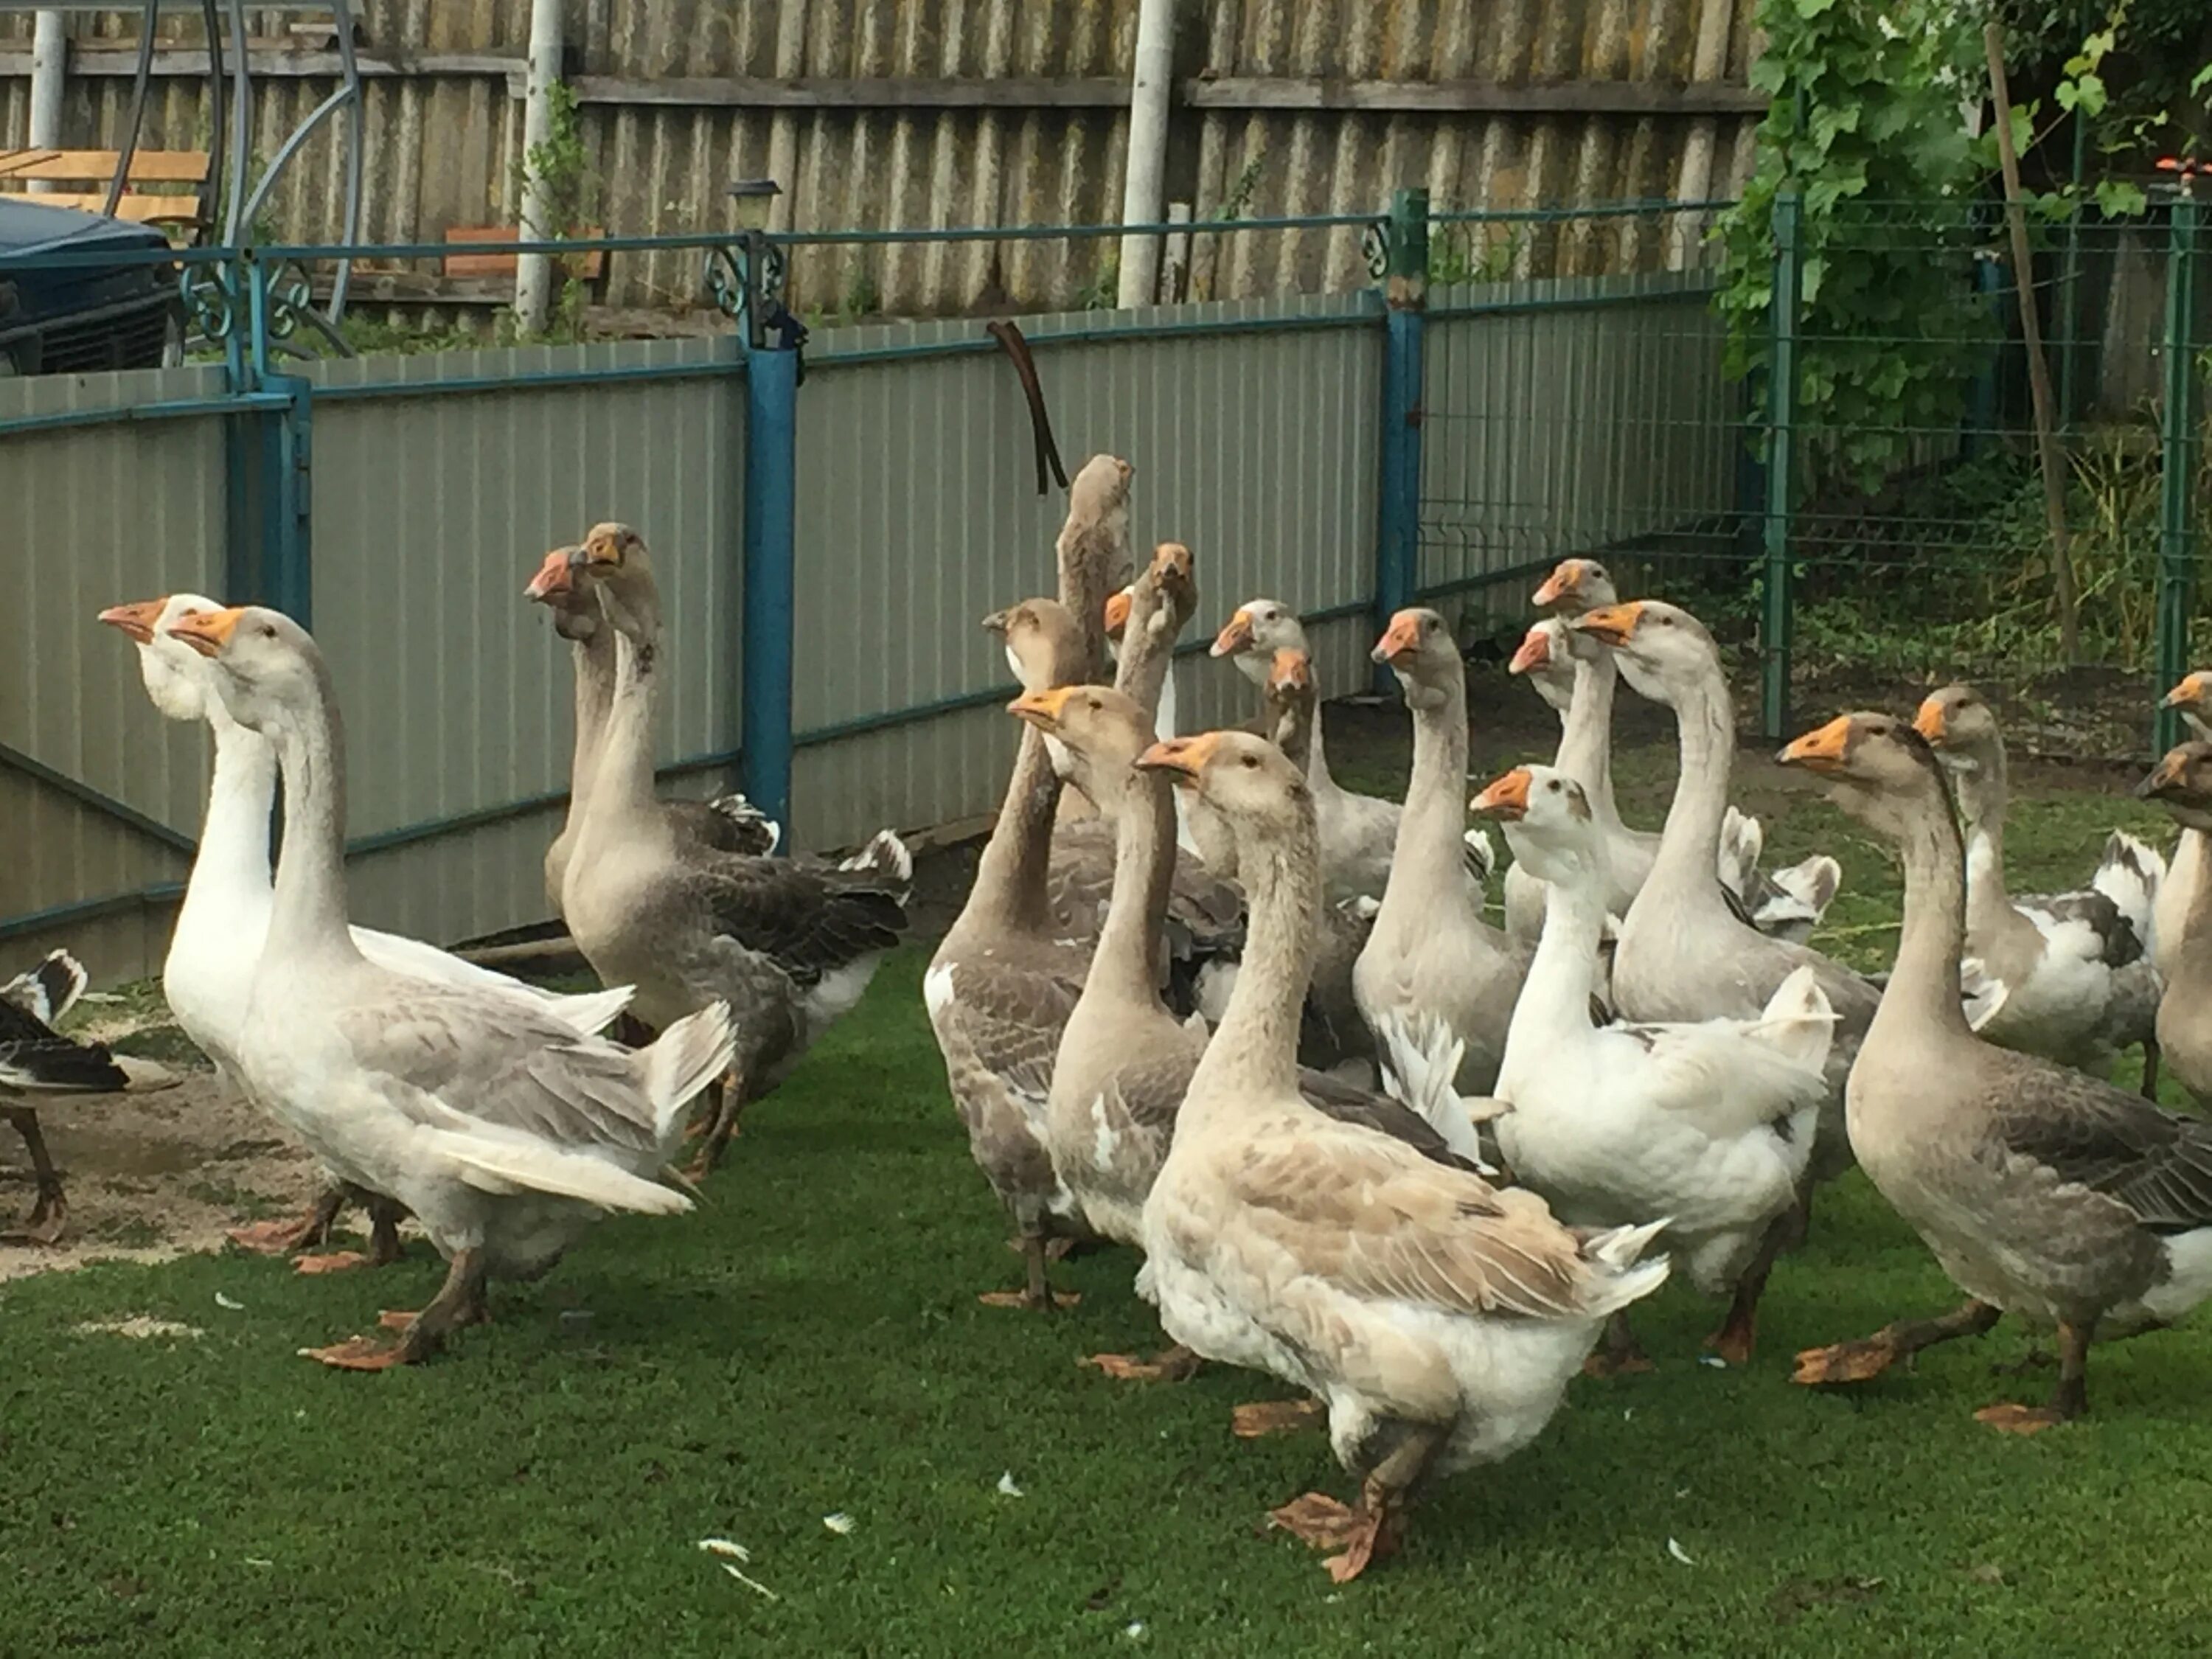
column 209, row 970
column 1438, row 1316
column 505, row 1130
column 1710, row 1123
column 2066, row 976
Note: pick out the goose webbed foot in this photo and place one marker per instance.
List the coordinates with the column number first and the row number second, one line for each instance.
column 1869, row 1356
column 1618, row 1352
column 1175, row 1365
column 2068, row 1400
column 725, row 1100
column 1362, row 1532
column 1268, row 1417
column 1037, row 1293
column 459, row 1302
column 278, row 1237
column 49, row 1217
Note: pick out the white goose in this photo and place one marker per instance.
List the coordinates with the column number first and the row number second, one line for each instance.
column 1710, row 1123
column 224, row 917
column 505, row 1130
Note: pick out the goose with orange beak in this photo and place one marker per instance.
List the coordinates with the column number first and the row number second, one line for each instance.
column 1438, row 1316
column 2182, row 784
column 1431, row 956
column 1685, row 953
column 2067, row 975
column 1721, row 1114
column 1125, row 1058
column 2042, row 1191
column 208, row 972
column 505, row 1131
column 789, row 947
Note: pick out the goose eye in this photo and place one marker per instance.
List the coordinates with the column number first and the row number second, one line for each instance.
column 1554, row 786
column 1251, row 760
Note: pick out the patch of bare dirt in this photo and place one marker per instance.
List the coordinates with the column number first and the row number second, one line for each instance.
column 153, row 1176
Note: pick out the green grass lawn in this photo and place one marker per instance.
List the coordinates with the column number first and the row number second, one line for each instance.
column 809, row 1344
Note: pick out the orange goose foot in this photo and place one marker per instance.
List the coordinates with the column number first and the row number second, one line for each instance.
column 1859, row 1360
column 1176, row 1365
column 1046, row 1301
column 2011, row 1419
column 1255, row 1422
column 1362, row 1534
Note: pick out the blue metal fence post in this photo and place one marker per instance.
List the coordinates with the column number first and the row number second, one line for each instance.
column 770, row 582
column 2177, row 438
column 1405, row 283
column 1779, row 617
column 284, row 570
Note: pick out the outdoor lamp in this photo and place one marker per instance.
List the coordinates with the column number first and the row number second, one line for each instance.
column 756, row 293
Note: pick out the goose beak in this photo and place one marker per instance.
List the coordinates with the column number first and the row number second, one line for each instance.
column 1928, row 721
column 552, row 579
column 1400, row 641
column 995, row 622
column 1041, row 709
column 1171, row 562
column 1566, row 578
column 1506, row 798
column 1181, row 758
column 1822, row 751
column 1235, row 635
column 2188, row 694
column 206, row 631
column 136, row 620
column 1613, row 624
column 1535, row 651
column 2165, row 777
column 1117, row 612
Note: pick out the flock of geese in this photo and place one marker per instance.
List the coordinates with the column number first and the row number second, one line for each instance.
column 1204, row 1002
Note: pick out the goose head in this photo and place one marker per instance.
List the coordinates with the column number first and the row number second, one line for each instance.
column 1096, row 733
column 2193, row 698
column 264, row 666
column 1044, row 646
column 1548, row 820
column 1420, row 651
column 1662, row 649
column 2182, row 783
column 576, row 607
column 1252, row 783
column 174, row 676
column 1546, row 656
column 1101, row 489
column 1880, row 771
column 1962, row 729
column 1291, row 697
column 612, row 562
column 1576, row 585
column 1255, row 630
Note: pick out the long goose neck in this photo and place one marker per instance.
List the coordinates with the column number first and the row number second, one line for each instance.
column 1586, row 734
column 1317, row 772
column 233, row 852
column 1984, row 796
column 594, row 661
column 308, row 915
column 1254, row 1051
column 1010, row 890
column 1089, row 554
column 1144, row 871
column 1690, row 845
column 1147, row 660
column 622, row 770
column 1555, row 998
column 1922, row 992
column 2195, row 952
column 1429, row 856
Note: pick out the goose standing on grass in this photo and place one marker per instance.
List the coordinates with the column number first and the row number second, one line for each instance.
column 1710, row 1123
column 35, row 1059
column 1124, row 1059
column 789, row 945
column 208, row 974
column 1430, row 955
column 1438, row 1317
column 2182, row 783
column 1003, row 983
column 504, row 1130
column 2065, row 975
column 2191, row 866
column 1577, row 676
column 1685, row 953
column 2043, row 1191
column 1359, row 833
column 730, row 823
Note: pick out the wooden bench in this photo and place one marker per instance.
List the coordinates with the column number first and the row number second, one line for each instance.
column 187, row 206
column 589, row 268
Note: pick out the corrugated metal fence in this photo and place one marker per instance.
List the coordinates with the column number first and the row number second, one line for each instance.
column 435, row 484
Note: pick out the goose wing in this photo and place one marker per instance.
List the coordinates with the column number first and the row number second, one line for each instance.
column 807, row 920
column 2087, row 1133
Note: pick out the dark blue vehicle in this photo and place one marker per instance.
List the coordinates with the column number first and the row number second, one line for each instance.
column 74, row 317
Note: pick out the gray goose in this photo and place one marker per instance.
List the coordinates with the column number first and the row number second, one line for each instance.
column 36, row 1060
column 789, row 945
column 2042, row 1191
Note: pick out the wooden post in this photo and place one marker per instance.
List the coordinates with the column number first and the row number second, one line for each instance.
column 2053, row 463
